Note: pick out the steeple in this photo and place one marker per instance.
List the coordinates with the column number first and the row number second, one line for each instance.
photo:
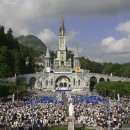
column 76, row 62
column 47, row 53
column 76, row 54
column 62, row 28
column 47, row 59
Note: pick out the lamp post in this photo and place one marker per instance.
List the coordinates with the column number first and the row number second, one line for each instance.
column 114, row 94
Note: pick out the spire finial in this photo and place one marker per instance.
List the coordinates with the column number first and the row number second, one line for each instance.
column 62, row 27
column 47, row 53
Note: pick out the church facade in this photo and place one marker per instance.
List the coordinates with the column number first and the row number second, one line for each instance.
column 62, row 59
column 65, row 73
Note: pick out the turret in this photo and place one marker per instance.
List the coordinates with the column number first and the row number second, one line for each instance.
column 47, row 53
column 47, row 58
column 76, row 58
column 76, row 54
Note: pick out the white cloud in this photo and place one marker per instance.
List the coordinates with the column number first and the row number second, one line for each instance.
column 52, row 40
column 112, row 49
column 31, row 16
column 26, row 14
column 71, row 37
column 112, row 45
column 124, row 27
column 49, row 38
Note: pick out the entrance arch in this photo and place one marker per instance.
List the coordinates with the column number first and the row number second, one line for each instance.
column 101, row 79
column 32, row 82
column 62, row 83
column 93, row 82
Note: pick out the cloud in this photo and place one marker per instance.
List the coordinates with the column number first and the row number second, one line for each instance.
column 124, row 27
column 31, row 16
column 71, row 37
column 111, row 45
column 49, row 38
column 24, row 15
column 117, row 46
column 52, row 40
column 111, row 49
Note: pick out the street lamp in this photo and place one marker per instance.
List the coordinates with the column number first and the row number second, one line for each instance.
column 114, row 94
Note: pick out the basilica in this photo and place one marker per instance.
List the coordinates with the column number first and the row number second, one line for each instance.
column 62, row 60
column 65, row 73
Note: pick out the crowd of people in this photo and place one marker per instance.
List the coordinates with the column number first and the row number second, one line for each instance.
column 21, row 115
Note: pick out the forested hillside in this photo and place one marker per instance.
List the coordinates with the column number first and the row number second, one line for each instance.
column 106, row 68
column 32, row 41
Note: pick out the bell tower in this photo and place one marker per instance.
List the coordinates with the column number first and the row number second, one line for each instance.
column 61, row 54
column 76, row 58
column 62, row 60
column 47, row 59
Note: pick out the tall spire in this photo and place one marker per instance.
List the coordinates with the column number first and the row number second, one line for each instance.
column 47, row 53
column 76, row 55
column 62, row 28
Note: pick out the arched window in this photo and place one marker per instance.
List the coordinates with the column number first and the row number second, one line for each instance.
column 65, row 84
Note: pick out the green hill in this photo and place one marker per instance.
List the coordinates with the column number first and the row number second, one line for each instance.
column 32, row 41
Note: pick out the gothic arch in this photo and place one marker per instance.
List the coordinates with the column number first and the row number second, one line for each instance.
column 21, row 79
column 62, row 82
column 101, row 79
column 93, row 82
column 108, row 79
column 32, row 81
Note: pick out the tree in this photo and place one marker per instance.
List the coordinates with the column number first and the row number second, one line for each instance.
column 85, row 63
column 4, row 65
column 31, row 65
column 2, row 36
column 113, row 88
column 127, row 72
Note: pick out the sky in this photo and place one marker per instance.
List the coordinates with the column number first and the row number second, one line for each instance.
column 100, row 28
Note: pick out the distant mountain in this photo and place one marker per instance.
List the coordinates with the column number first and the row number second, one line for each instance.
column 32, row 41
